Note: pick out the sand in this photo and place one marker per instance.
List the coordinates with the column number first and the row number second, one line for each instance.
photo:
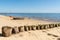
column 48, row 34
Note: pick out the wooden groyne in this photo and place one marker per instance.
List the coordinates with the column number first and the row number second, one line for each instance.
column 8, row 31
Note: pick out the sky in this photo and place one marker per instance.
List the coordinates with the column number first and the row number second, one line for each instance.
column 29, row 6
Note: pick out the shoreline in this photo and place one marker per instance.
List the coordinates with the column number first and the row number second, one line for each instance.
column 6, row 21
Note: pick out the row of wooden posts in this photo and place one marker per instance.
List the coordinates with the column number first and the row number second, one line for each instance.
column 8, row 31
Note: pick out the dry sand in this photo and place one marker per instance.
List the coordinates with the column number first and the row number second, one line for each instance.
column 48, row 34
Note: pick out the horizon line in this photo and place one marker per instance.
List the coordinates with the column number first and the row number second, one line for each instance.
column 17, row 12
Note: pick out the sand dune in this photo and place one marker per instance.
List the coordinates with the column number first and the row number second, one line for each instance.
column 48, row 34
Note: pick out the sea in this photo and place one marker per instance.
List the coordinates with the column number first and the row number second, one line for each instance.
column 39, row 16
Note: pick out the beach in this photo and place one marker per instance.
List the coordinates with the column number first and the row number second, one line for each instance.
column 46, row 34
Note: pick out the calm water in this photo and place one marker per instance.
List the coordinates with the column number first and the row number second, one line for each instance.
column 49, row 16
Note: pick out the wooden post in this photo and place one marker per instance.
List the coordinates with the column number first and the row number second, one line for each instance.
column 15, row 30
column 6, row 31
column 33, row 27
column 45, row 26
column 55, row 25
column 59, row 24
column 26, row 28
column 40, row 26
column 29, row 28
column 21, row 28
column 51, row 25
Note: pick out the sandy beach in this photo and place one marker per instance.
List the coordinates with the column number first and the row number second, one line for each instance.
column 46, row 34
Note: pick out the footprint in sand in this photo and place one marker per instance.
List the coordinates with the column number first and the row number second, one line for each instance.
column 21, row 35
column 52, row 35
column 58, row 38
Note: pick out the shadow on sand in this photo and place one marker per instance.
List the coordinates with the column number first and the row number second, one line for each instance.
column 1, row 35
column 52, row 35
column 58, row 38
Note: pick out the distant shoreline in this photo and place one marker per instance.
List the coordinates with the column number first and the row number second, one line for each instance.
column 39, row 16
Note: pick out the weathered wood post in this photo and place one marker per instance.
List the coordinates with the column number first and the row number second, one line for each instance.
column 37, row 27
column 29, row 28
column 45, row 26
column 55, row 25
column 40, row 26
column 15, row 30
column 6, row 31
column 21, row 28
column 51, row 25
column 59, row 24
column 33, row 27
column 26, row 28
column 48, row 26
